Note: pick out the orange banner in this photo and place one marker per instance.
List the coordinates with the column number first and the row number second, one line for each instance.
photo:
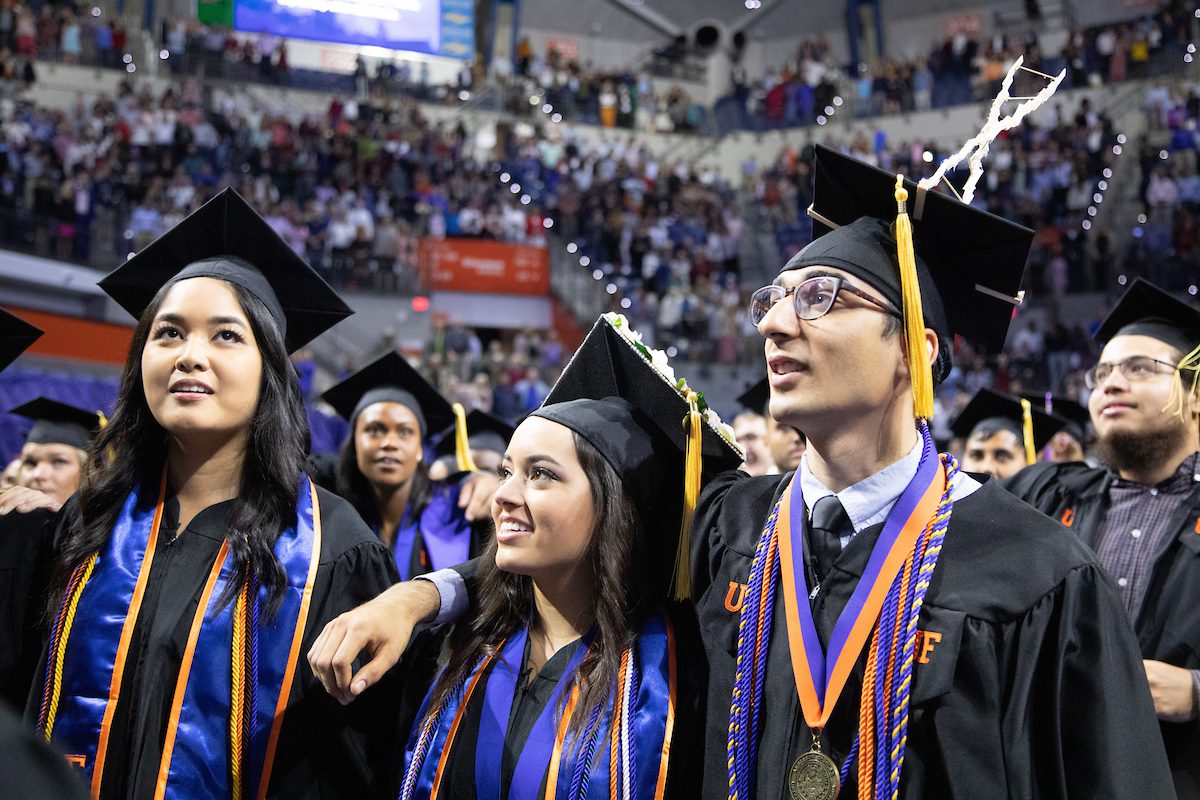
column 479, row 265
column 80, row 339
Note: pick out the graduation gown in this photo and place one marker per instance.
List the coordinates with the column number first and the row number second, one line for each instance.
column 26, row 561
column 1027, row 681
column 1168, row 623
column 440, row 519
column 531, row 697
column 325, row 750
column 29, row 768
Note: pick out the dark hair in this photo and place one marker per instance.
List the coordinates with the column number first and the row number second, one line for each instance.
column 276, row 449
column 355, row 488
column 618, row 556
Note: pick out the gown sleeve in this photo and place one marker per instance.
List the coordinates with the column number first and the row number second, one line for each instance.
column 1081, row 722
column 327, row 749
column 707, row 543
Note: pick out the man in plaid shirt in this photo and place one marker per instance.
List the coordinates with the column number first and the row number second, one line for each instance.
column 1141, row 514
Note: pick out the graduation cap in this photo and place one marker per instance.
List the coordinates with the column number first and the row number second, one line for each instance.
column 227, row 240
column 484, row 432
column 59, row 423
column 15, row 337
column 1074, row 414
column 966, row 264
column 992, row 411
column 652, row 430
column 391, row 379
column 1147, row 310
column 756, row 397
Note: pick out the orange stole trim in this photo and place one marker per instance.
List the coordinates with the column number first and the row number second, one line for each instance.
column 185, row 668
column 614, row 728
column 135, row 606
column 664, row 759
column 817, row 710
column 297, row 638
column 559, row 739
column 458, row 715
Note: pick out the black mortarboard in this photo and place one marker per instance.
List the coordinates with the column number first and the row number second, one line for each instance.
column 15, row 336
column 1003, row 412
column 58, row 423
column 969, row 262
column 756, row 397
column 612, row 396
column 484, row 432
column 391, row 379
column 1146, row 310
column 1076, row 415
column 227, row 240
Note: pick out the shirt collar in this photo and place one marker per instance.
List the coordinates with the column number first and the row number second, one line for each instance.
column 869, row 501
column 1181, row 481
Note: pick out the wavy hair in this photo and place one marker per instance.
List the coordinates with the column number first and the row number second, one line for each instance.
column 276, row 451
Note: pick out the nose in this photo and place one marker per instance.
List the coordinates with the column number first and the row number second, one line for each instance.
column 780, row 321
column 510, row 493
column 193, row 355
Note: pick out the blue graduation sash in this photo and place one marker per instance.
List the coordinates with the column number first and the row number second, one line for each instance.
column 643, row 703
column 196, row 752
column 444, row 531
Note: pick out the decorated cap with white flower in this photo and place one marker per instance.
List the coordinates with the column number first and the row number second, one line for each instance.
column 650, row 426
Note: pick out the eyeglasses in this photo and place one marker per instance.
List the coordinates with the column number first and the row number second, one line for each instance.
column 1134, row 368
column 811, row 299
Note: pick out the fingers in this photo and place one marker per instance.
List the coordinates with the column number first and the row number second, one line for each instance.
column 23, row 500
column 330, row 637
column 381, row 661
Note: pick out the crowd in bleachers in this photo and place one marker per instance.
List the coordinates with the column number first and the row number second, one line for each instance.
column 1167, row 235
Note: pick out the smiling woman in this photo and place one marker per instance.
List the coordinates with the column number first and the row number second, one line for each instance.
column 199, row 557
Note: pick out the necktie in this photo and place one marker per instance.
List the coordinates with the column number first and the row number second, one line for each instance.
column 829, row 523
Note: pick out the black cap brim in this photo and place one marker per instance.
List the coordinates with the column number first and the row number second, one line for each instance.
column 1147, row 310
column 757, row 397
column 975, row 259
column 228, row 226
column 484, row 432
column 55, row 422
column 988, row 405
column 390, row 378
column 16, row 335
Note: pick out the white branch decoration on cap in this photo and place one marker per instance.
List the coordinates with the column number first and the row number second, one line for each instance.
column 976, row 149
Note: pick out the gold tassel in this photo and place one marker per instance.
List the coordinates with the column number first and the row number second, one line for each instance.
column 462, row 445
column 692, row 466
column 1177, row 401
column 914, row 318
column 111, row 452
column 1027, row 430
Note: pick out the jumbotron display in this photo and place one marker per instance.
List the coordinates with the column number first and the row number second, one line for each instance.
column 435, row 27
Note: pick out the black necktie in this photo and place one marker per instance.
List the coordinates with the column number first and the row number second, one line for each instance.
column 829, row 523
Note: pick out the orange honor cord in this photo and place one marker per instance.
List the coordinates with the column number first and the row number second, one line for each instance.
column 135, row 606
column 665, row 757
column 458, row 715
column 185, row 668
column 817, row 710
column 297, row 639
column 559, row 740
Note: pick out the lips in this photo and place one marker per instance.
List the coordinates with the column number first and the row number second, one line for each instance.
column 510, row 529
column 388, row 461
column 783, row 365
column 190, row 389
column 1113, row 409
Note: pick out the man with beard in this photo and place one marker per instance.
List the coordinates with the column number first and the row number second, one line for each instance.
column 1141, row 514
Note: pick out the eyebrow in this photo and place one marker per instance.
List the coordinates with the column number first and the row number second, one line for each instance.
column 535, row 458
column 816, row 273
column 178, row 319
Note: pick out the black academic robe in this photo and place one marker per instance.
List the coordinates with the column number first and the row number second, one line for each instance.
column 26, row 560
column 531, row 697
column 1168, row 623
column 1035, row 688
column 29, row 768
column 325, row 750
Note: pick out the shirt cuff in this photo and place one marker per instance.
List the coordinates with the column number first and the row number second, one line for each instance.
column 453, row 592
column 1195, row 693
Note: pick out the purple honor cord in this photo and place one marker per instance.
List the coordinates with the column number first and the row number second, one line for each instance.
column 821, row 666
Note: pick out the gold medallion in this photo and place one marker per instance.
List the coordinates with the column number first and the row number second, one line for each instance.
column 814, row 776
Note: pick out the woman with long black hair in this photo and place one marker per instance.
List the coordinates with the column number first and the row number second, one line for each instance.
column 383, row 472
column 199, row 558
column 574, row 668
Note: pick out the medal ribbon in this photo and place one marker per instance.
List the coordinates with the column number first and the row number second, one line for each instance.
column 820, row 676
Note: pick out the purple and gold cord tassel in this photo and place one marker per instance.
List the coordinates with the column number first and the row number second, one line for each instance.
column 57, row 651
